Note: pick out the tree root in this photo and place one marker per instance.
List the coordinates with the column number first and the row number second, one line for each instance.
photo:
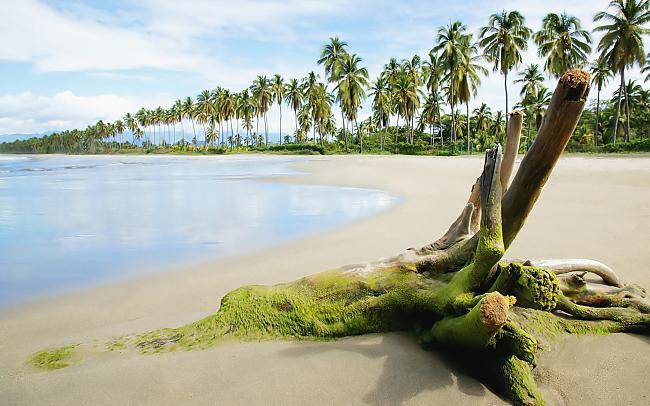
column 456, row 292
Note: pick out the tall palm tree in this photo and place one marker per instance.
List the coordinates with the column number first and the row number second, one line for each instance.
column 294, row 98
column 537, row 103
column 503, row 40
column 381, row 105
column 204, row 111
column 263, row 95
column 178, row 117
column 483, row 117
column 131, row 124
column 277, row 86
column 331, row 57
column 563, row 43
column 531, row 79
column 622, row 43
column 189, row 113
column 433, row 71
column 468, row 80
column 351, row 89
column 450, row 44
column 600, row 75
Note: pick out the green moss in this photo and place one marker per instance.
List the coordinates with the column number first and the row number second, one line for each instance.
column 518, row 382
column 53, row 358
column 535, row 288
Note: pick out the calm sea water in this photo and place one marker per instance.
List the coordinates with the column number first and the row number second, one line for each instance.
column 72, row 221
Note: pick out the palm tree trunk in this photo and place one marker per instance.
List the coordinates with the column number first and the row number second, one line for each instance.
column 597, row 117
column 528, row 136
column 280, row 105
column 295, row 117
column 505, row 113
column 193, row 128
column 397, row 128
column 469, row 130
column 618, row 106
column 627, row 116
column 266, row 129
column 359, row 136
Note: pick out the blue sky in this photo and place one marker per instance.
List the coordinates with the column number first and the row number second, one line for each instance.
column 66, row 64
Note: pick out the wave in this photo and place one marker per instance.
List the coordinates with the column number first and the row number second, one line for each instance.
column 14, row 158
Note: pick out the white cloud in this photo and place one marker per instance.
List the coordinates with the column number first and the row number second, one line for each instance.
column 30, row 113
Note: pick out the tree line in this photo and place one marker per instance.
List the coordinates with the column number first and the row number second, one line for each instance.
column 409, row 97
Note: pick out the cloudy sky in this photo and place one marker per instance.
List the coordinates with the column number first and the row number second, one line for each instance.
column 66, row 64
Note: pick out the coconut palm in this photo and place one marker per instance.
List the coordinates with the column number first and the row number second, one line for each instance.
column 432, row 72
column 381, row 105
column 531, row 79
column 503, row 40
column 331, row 57
column 450, row 44
column 468, row 79
column 622, row 43
column 204, row 111
column 563, row 43
column 482, row 117
column 351, row 89
column 294, row 98
column 263, row 95
column 178, row 117
column 131, row 124
column 537, row 103
column 600, row 75
column 189, row 113
column 277, row 86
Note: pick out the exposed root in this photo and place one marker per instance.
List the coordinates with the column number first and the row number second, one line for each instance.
column 563, row 266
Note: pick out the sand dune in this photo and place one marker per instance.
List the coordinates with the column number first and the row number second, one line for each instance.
column 593, row 208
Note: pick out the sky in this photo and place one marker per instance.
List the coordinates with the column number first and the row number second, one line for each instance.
column 67, row 64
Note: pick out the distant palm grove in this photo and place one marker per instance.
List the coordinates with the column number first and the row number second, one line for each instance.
column 419, row 105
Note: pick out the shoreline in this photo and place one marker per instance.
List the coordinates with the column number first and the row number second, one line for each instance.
column 377, row 369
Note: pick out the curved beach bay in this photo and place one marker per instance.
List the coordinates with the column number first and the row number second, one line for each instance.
column 592, row 207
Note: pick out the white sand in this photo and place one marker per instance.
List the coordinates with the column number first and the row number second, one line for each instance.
column 593, row 207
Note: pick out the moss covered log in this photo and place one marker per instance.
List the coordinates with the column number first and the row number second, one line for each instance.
column 457, row 292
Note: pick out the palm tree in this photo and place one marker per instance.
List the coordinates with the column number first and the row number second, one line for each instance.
column 406, row 97
column 332, row 56
column 178, row 117
column 468, row 80
column 351, row 89
column 278, row 94
column 381, row 105
column 451, row 44
column 294, row 98
column 432, row 72
column 531, row 79
column 119, row 128
column 131, row 124
column 632, row 94
column 483, row 117
column 622, row 43
column 263, row 95
column 188, row 112
column 563, row 43
column 503, row 40
column 537, row 103
column 204, row 111
column 600, row 75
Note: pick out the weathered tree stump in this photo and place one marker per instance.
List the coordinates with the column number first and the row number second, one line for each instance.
column 457, row 292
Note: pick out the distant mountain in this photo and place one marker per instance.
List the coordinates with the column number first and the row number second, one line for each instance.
column 14, row 137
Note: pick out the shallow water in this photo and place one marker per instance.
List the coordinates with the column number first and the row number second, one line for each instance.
column 72, row 221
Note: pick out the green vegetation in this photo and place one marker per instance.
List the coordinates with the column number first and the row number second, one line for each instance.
column 408, row 97
column 53, row 358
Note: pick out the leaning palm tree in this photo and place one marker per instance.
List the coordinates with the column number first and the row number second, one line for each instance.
column 294, row 98
column 563, row 43
column 600, row 75
column 351, row 89
column 277, row 87
column 622, row 43
column 503, row 40
column 531, row 79
column 450, row 45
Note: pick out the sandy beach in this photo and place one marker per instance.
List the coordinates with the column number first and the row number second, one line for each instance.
column 592, row 207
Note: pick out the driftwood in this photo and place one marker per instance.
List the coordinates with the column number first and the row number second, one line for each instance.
column 457, row 292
